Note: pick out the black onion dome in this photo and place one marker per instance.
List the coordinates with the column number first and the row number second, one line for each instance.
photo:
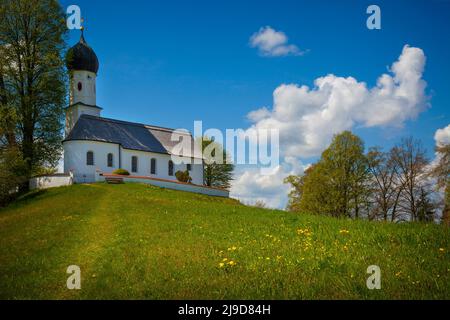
column 82, row 57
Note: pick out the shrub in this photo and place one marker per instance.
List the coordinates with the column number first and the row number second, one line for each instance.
column 12, row 174
column 183, row 176
column 121, row 172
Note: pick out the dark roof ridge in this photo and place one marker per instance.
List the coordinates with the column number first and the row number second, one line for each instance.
column 133, row 124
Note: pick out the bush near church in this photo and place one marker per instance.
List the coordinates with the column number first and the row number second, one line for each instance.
column 183, row 176
column 121, row 172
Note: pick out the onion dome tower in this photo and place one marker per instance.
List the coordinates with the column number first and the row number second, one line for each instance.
column 82, row 64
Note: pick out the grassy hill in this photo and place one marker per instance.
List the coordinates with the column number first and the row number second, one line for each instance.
column 134, row 241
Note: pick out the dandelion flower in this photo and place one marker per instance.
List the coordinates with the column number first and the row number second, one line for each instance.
column 221, row 265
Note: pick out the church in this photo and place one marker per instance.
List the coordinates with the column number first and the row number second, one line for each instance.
column 96, row 144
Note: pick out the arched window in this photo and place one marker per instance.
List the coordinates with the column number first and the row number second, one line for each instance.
column 80, row 86
column 153, row 166
column 110, row 160
column 134, row 164
column 90, row 158
column 170, row 168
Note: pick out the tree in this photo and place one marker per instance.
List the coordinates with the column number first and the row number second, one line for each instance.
column 385, row 190
column 33, row 79
column 12, row 173
column 345, row 166
column 309, row 192
column 410, row 164
column 217, row 169
column 337, row 184
column 442, row 173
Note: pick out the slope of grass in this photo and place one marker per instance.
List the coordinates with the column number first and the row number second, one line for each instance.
column 139, row 242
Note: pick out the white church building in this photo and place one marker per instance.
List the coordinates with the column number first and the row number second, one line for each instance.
column 95, row 144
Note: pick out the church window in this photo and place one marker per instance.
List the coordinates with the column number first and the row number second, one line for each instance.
column 134, row 164
column 170, row 168
column 153, row 166
column 110, row 160
column 90, row 158
column 80, row 86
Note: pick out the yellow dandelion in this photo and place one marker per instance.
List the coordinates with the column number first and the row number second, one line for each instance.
column 344, row 231
column 232, row 263
column 225, row 259
column 221, row 265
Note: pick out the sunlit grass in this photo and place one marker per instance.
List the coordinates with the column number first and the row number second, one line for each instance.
column 139, row 242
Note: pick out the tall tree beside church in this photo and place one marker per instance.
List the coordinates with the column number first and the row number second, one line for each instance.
column 217, row 169
column 33, row 79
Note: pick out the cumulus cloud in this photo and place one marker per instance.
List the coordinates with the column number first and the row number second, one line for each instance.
column 307, row 118
column 442, row 136
column 272, row 43
column 250, row 185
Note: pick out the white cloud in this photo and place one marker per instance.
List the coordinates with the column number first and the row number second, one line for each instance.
column 307, row 118
column 250, row 185
column 442, row 136
column 273, row 43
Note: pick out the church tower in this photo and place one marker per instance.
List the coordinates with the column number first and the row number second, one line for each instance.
column 83, row 65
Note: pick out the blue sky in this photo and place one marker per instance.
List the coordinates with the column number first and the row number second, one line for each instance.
column 169, row 63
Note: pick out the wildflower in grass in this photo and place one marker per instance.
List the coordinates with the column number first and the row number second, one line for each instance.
column 225, row 259
column 232, row 263
column 441, row 250
column 221, row 265
column 398, row 274
column 344, row 231
column 306, row 232
column 233, row 248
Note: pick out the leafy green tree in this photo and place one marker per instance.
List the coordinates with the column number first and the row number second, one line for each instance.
column 33, row 79
column 217, row 168
column 12, row 173
column 338, row 184
column 345, row 167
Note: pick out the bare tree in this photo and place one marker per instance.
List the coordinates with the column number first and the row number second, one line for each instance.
column 385, row 189
column 410, row 162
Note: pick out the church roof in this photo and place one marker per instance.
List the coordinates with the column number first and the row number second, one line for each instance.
column 129, row 135
column 82, row 57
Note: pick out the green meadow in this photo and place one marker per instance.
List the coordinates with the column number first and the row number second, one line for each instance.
column 135, row 241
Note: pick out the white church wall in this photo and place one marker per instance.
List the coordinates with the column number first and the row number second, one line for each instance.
column 75, row 161
column 162, row 165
